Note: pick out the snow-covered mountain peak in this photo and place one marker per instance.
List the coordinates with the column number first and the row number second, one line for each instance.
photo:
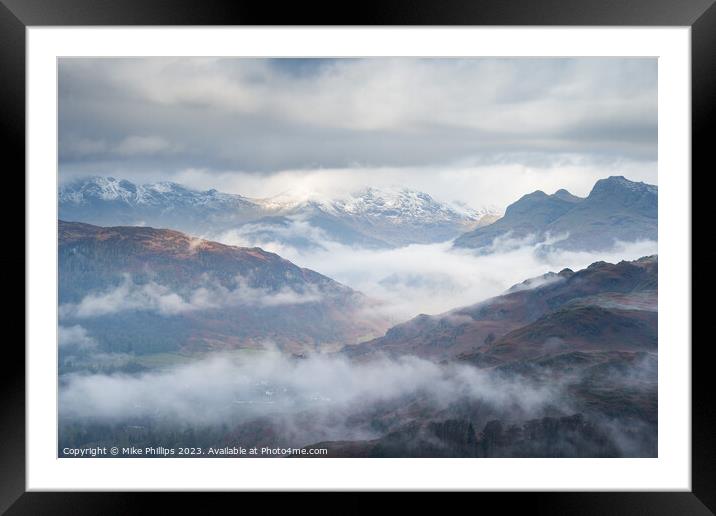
column 164, row 193
column 391, row 202
column 394, row 203
column 390, row 216
column 105, row 188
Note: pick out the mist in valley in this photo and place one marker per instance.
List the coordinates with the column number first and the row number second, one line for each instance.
column 387, row 189
column 273, row 399
column 434, row 278
column 269, row 397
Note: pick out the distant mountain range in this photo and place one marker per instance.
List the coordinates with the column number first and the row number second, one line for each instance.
column 368, row 218
column 615, row 210
column 145, row 290
column 107, row 201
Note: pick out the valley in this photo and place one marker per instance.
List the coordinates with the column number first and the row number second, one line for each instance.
column 168, row 338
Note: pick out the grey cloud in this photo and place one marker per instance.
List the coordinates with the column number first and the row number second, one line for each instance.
column 153, row 297
column 130, row 146
column 268, row 115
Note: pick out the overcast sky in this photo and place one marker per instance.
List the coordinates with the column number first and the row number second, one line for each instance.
column 477, row 130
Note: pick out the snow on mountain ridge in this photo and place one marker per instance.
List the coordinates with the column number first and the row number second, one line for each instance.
column 404, row 204
column 111, row 189
column 392, row 203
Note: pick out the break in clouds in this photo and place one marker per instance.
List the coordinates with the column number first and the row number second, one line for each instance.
column 471, row 182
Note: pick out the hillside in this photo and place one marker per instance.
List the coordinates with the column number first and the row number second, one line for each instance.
column 605, row 306
column 141, row 290
column 615, row 210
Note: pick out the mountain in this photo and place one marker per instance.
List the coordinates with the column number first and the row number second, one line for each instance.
column 383, row 218
column 585, row 340
column 107, row 201
column 603, row 307
column 367, row 218
column 146, row 290
column 308, row 225
column 561, row 365
column 615, row 210
column 591, row 335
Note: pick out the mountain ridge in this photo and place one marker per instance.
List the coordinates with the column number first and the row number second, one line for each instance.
column 616, row 209
column 476, row 330
column 371, row 217
column 143, row 289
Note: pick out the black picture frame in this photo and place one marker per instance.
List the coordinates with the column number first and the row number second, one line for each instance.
column 16, row 15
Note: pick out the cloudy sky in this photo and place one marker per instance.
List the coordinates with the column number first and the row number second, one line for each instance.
column 481, row 131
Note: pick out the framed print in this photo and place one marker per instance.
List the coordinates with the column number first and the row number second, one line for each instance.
column 417, row 250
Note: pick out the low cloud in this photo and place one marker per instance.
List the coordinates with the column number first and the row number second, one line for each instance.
column 154, row 297
column 434, row 278
column 75, row 337
column 268, row 398
column 223, row 388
